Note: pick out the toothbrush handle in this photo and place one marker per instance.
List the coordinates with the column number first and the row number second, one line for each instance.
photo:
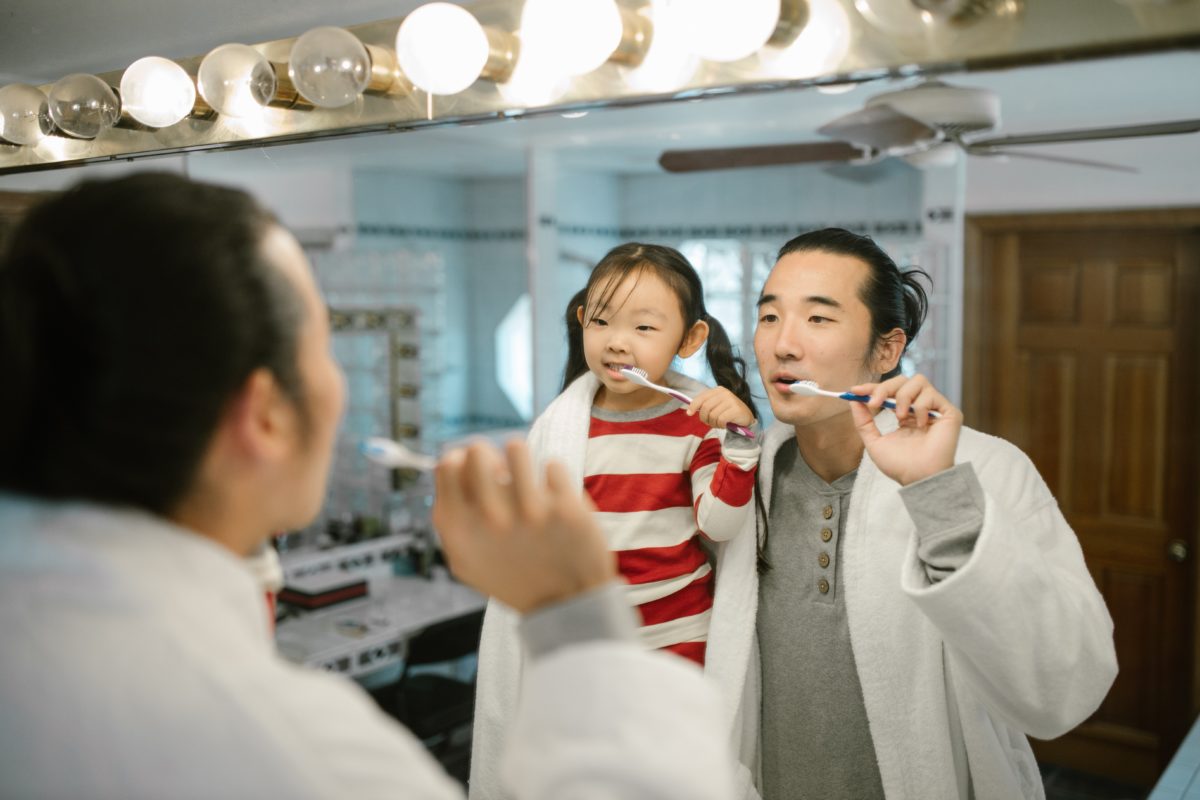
column 889, row 403
column 742, row 429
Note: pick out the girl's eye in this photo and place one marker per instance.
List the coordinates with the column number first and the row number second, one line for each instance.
column 598, row 321
column 645, row 328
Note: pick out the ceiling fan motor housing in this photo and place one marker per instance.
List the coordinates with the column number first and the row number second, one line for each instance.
column 956, row 110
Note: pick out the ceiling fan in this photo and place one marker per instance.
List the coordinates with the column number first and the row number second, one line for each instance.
column 914, row 123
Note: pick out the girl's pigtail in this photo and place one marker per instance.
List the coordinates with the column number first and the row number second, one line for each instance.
column 728, row 368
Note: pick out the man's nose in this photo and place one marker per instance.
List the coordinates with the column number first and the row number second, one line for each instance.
column 788, row 344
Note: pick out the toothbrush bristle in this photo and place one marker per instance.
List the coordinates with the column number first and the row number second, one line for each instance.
column 804, row 387
column 641, row 373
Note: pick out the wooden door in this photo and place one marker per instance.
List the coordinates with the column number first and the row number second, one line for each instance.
column 1082, row 350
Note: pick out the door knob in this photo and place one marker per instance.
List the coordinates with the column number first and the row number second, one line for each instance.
column 1177, row 551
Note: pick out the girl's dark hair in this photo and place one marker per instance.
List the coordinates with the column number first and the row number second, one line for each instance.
column 670, row 265
column 131, row 313
column 895, row 297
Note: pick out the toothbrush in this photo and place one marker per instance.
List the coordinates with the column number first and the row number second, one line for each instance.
column 638, row 376
column 810, row 388
column 393, row 454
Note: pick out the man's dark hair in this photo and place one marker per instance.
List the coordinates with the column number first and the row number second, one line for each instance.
column 131, row 313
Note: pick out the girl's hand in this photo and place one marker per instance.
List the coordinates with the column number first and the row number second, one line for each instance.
column 922, row 446
column 718, row 407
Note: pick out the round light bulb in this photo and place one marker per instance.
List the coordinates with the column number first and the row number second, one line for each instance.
column 533, row 83
column 24, row 114
column 669, row 62
column 83, row 105
column 442, row 48
column 330, row 67
column 157, row 92
column 723, row 31
column 819, row 48
column 574, row 37
column 236, row 80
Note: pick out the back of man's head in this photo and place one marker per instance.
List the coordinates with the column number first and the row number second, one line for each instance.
column 131, row 313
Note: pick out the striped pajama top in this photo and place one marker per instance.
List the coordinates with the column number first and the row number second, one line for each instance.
column 663, row 483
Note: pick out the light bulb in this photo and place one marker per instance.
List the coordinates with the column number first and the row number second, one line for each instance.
column 442, row 48
column 533, row 83
column 24, row 114
column 157, row 92
column 819, row 48
column 330, row 67
column 669, row 62
column 572, row 38
column 719, row 30
column 83, row 105
column 236, row 80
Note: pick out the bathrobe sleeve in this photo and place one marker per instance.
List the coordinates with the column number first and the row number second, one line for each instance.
column 1022, row 620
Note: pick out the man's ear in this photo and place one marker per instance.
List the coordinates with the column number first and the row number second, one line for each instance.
column 693, row 339
column 261, row 422
column 888, row 351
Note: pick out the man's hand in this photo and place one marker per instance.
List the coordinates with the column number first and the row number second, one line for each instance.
column 922, row 446
column 510, row 537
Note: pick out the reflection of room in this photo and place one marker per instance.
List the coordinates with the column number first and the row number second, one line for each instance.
column 470, row 240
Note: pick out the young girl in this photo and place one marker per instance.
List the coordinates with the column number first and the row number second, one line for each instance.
column 670, row 482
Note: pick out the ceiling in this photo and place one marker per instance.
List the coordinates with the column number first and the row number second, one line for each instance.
column 41, row 40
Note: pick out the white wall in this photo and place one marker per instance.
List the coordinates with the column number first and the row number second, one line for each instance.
column 1169, row 176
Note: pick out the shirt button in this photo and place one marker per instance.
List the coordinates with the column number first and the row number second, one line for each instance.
column 827, row 512
column 823, row 559
column 823, row 586
column 826, row 534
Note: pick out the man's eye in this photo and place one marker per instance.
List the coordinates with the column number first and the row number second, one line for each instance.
column 768, row 318
column 818, row 319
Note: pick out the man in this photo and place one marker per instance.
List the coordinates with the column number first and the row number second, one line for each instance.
column 923, row 605
column 169, row 400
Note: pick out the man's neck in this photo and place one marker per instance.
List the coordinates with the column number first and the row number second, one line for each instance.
column 832, row 447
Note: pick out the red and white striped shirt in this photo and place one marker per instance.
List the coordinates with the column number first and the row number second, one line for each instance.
column 660, row 480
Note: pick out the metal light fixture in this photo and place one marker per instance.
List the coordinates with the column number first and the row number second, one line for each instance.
column 24, row 114
column 83, row 106
column 935, row 26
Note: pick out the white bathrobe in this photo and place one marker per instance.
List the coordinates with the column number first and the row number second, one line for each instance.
column 561, row 434
column 955, row 675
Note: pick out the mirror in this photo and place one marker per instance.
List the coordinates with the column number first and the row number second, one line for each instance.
column 487, row 230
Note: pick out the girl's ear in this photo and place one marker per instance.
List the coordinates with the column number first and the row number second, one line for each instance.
column 889, row 350
column 579, row 314
column 693, row 339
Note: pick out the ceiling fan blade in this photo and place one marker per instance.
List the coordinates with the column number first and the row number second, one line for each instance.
column 758, row 156
column 880, row 127
column 1082, row 162
column 1094, row 134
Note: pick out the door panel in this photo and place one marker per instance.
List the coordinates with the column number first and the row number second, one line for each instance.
column 1086, row 340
